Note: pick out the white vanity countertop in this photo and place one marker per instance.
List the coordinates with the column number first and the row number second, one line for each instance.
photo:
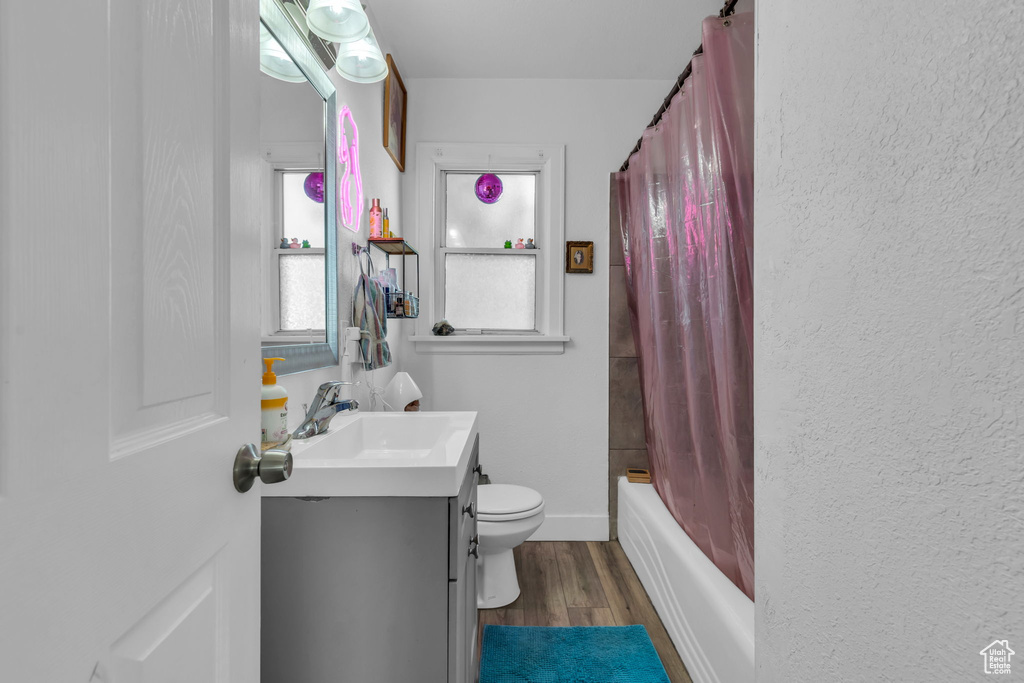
column 383, row 454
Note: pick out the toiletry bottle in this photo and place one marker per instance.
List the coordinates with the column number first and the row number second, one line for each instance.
column 273, row 407
column 376, row 229
column 387, row 230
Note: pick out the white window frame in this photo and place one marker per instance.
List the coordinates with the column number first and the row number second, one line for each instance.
column 548, row 162
column 282, row 157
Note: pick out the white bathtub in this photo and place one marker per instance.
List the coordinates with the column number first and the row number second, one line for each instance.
column 710, row 620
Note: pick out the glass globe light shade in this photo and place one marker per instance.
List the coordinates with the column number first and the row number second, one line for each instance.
column 361, row 61
column 488, row 188
column 274, row 61
column 337, row 21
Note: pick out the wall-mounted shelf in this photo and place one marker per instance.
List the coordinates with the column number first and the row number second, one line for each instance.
column 397, row 300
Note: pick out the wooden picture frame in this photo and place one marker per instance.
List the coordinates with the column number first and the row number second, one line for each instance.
column 579, row 257
column 395, row 101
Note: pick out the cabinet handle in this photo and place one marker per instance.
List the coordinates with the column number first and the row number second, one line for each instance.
column 474, row 545
column 469, row 509
column 479, row 469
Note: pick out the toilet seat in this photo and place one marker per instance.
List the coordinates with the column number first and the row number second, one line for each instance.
column 507, row 502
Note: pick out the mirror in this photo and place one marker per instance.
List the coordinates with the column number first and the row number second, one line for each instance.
column 298, row 141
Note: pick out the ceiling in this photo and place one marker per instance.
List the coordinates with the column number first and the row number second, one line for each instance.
column 629, row 39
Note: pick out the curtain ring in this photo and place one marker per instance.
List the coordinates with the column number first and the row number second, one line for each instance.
column 727, row 22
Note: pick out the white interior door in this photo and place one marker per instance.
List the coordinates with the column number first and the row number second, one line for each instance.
column 129, row 344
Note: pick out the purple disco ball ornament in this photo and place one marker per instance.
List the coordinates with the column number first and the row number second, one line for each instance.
column 488, row 188
column 314, row 187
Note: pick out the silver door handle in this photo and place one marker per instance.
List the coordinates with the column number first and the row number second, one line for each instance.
column 469, row 509
column 271, row 466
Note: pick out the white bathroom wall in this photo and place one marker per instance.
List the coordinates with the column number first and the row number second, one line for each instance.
column 382, row 179
column 888, row 355
column 543, row 419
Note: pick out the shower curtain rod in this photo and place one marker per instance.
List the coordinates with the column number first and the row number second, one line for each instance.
column 729, row 8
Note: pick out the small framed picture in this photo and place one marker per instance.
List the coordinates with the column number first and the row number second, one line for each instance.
column 394, row 114
column 579, row 257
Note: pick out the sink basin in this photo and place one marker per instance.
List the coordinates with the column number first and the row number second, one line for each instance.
column 383, row 454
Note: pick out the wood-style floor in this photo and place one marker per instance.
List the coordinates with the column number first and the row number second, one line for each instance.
column 583, row 584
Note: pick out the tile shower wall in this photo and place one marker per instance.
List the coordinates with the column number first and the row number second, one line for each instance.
column 627, row 446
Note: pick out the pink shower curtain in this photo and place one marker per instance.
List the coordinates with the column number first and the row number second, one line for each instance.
column 686, row 212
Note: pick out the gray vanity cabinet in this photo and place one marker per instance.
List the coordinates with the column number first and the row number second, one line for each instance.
column 462, row 558
column 370, row 590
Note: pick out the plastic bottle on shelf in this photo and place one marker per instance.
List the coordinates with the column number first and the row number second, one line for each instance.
column 376, row 227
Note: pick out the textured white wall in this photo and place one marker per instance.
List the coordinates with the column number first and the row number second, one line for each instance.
column 382, row 179
column 543, row 419
column 889, row 361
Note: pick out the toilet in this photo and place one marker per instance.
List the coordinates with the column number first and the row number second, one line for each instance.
column 507, row 515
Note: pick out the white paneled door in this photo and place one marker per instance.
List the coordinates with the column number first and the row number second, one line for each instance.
column 129, row 347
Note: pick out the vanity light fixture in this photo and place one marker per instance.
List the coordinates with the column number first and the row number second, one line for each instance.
column 274, row 61
column 337, row 21
column 361, row 61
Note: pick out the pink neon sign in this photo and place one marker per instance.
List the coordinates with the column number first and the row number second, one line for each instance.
column 348, row 156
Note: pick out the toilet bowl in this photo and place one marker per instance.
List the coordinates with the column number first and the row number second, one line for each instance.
column 506, row 516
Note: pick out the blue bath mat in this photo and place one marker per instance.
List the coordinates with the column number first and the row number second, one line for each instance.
column 576, row 654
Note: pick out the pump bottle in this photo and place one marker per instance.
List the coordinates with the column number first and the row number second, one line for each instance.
column 273, row 407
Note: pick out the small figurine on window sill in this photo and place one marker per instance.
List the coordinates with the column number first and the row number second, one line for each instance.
column 284, row 243
column 530, row 244
column 442, row 329
column 508, row 244
column 295, row 244
column 305, row 244
column 519, row 244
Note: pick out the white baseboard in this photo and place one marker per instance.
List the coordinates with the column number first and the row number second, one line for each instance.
column 572, row 528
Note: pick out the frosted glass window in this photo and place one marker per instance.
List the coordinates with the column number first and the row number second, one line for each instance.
column 491, row 291
column 471, row 223
column 302, row 217
column 303, row 306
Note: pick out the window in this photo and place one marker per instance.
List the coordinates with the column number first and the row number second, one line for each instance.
column 498, row 300
column 487, row 287
column 296, row 305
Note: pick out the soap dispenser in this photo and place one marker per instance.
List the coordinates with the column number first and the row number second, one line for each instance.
column 273, row 407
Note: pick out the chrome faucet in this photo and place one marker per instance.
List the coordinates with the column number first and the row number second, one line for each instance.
column 325, row 406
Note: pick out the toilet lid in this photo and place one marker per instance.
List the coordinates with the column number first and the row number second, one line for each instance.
column 506, row 500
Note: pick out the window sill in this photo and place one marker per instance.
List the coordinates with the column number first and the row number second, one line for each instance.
column 493, row 344
column 287, row 340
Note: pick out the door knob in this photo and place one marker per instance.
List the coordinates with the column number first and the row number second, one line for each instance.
column 271, row 466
